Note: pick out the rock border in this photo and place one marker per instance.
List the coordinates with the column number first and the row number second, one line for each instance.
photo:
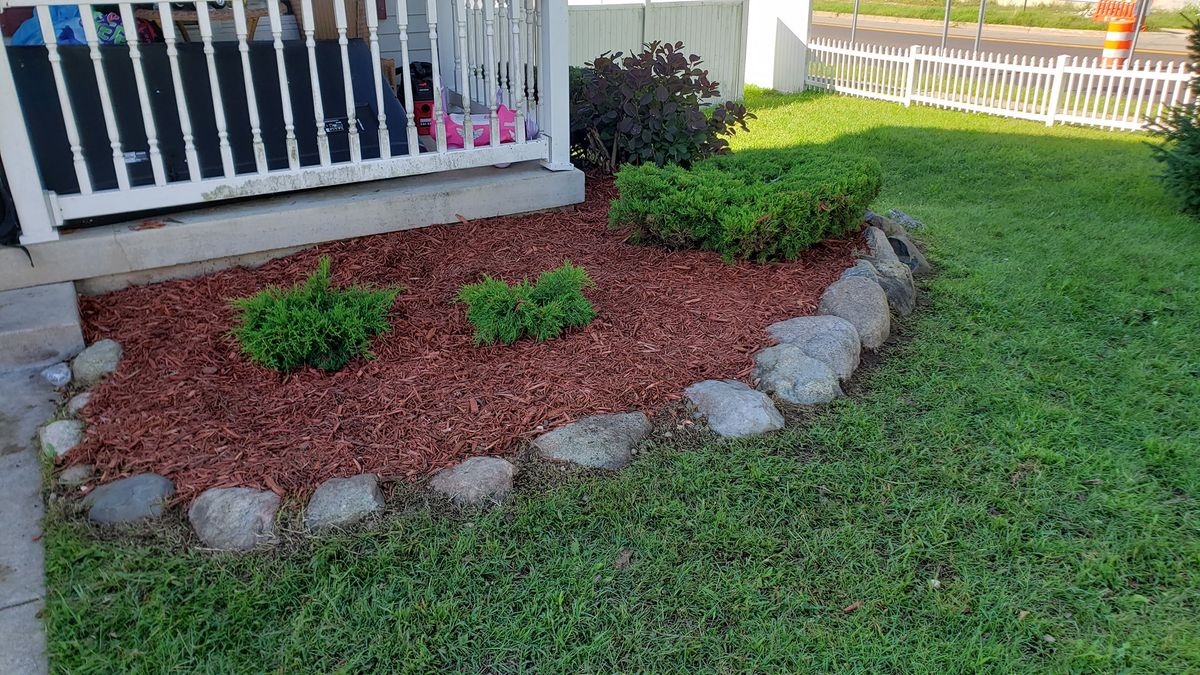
column 813, row 357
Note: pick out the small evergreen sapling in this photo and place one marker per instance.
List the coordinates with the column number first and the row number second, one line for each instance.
column 541, row 310
column 312, row 323
column 1180, row 130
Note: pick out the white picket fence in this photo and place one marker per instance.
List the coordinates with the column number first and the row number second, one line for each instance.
column 1064, row 89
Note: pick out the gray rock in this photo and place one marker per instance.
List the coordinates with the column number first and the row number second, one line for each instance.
column 58, row 375
column 129, row 500
column 904, row 219
column 98, row 360
column 897, row 283
column 234, row 519
column 907, row 252
column 343, row 501
column 831, row 340
column 598, row 442
column 889, row 226
column 733, row 409
column 76, row 475
column 786, row 371
column 862, row 268
column 478, row 480
column 78, row 401
column 58, row 438
column 863, row 303
column 881, row 249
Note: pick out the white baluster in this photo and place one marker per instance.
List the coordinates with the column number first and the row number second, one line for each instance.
column 64, row 99
column 439, row 124
column 106, row 107
column 489, row 41
column 515, row 70
column 214, row 85
column 310, row 44
column 530, row 59
column 339, row 19
column 414, row 144
column 385, row 141
column 139, row 77
column 285, row 94
column 185, row 120
column 260, row 150
column 463, row 63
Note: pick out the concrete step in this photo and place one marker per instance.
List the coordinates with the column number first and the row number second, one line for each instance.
column 39, row 325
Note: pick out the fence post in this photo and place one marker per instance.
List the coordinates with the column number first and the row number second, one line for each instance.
column 1056, row 85
column 33, row 204
column 911, row 64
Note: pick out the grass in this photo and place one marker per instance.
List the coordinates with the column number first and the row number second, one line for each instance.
column 1065, row 15
column 1034, row 449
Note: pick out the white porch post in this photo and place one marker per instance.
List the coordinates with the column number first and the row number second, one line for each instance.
column 777, row 43
column 16, row 152
column 556, row 102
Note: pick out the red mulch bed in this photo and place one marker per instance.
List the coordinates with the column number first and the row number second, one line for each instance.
column 185, row 403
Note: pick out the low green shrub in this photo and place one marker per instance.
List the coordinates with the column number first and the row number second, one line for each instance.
column 540, row 310
column 751, row 205
column 312, row 323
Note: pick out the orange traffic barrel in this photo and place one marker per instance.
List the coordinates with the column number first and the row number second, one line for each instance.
column 1117, row 43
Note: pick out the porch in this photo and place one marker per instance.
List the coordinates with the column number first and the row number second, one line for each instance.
column 372, row 116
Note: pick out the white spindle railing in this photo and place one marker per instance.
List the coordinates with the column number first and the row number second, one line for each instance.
column 1063, row 90
column 216, row 123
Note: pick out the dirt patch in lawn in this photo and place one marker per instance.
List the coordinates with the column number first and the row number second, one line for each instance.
column 187, row 404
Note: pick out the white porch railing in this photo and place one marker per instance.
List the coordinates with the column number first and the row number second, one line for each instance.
column 1064, row 89
column 97, row 127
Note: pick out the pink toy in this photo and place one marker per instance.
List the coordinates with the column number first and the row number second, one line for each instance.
column 481, row 131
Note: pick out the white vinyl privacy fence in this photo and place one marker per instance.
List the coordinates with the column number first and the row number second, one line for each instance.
column 1063, row 89
column 713, row 29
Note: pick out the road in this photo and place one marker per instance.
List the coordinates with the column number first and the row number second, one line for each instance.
column 1164, row 46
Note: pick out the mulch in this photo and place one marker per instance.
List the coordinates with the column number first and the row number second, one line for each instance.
column 187, row 404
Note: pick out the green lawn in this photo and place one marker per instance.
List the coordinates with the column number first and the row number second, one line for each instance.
column 1065, row 15
column 1034, row 449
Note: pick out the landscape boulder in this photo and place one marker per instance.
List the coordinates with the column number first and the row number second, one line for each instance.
column 234, row 519
column 829, row 339
column 907, row 252
column 343, row 501
column 598, row 442
column 794, row 376
column 76, row 475
column 907, row 221
column 129, row 500
column 78, row 401
column 58, row 375
column 863, row 303
column 890, row 227
column 59, row 437
column 881, row 248
column 733, row 409
column 99, row 359
column 478, row 480
column 895, row 278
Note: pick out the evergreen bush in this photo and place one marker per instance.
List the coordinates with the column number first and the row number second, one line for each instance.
column 1180, row 130
column 752, row 205
column 312, row 323
column 541, row 310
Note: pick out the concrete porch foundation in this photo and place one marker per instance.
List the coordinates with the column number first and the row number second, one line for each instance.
column 195, row 242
